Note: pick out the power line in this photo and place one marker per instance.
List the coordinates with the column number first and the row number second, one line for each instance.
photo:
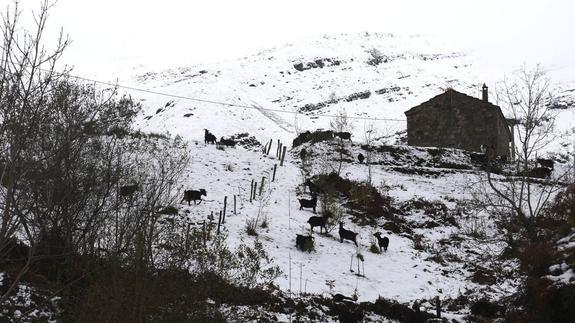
column 223, row 103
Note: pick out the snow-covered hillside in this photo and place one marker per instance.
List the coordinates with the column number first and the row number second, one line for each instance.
column 367, row 75
column 277, row 93
column 434, row 257
column 439, row 245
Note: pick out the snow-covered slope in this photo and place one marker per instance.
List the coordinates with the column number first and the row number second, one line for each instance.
column 369, row 76
column 436, row 259
column 320, row 76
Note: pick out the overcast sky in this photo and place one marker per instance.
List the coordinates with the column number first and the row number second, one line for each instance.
column 109, row 34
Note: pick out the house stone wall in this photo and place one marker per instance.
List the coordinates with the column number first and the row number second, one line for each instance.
column 466, row 125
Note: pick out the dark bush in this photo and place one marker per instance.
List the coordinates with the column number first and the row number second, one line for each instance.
column 486, row 309
column 399, row 312
column 483, row 276
column 169, row 210
column 563, row 207
column 544, row 301
column 436, row 210
column 361, row 196
column 436, row 152
column 537, row 257
column 298, row 66
column 308, row 246
column 357, row 96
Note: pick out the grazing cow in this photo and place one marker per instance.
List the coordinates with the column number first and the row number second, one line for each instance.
column 318, row 221
column 342, row 298
column 128, row 190
column 301, row 241
column 382, row 242
column 343, row 135
column 308, row 203
column 209, row 138
column 191, row 195
column 346, row 234
column 361, row 158
column 227, row 142
column 549, row 163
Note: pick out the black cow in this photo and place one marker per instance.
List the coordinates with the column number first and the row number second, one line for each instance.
column 549, row 163
column 191, row 195
column 227, row 142
column 209, row 138
column 308, row 203
column 343, row 135
column 347, row 234
column 382, row 242
column 318, row 221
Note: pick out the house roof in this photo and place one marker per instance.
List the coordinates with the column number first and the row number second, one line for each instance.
column 456, row 99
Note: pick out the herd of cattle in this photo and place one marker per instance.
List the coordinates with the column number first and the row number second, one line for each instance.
column 210, row 138
column 302, row 241
column 314, row 221
column 543, row 171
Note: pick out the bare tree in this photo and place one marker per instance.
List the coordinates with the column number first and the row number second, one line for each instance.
column 27, row 70
column 517, row 197
column 341, row 123
column 526, row 96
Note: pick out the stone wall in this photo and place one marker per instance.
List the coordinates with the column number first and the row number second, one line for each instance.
column 466, row 125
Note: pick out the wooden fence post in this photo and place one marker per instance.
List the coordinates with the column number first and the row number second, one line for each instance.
column 255, row 189
column 283, row 155
column 251, row 190
column 225, row 205
column 274, row 173
column 270, row 146
column 262, row 185
column 278, row 150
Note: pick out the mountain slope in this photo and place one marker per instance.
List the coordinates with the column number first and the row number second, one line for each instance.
column 367, row 75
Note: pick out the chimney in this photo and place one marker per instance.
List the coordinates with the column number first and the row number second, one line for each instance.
column 484, row 93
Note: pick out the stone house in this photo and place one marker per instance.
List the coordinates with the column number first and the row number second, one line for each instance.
column 456, row 120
